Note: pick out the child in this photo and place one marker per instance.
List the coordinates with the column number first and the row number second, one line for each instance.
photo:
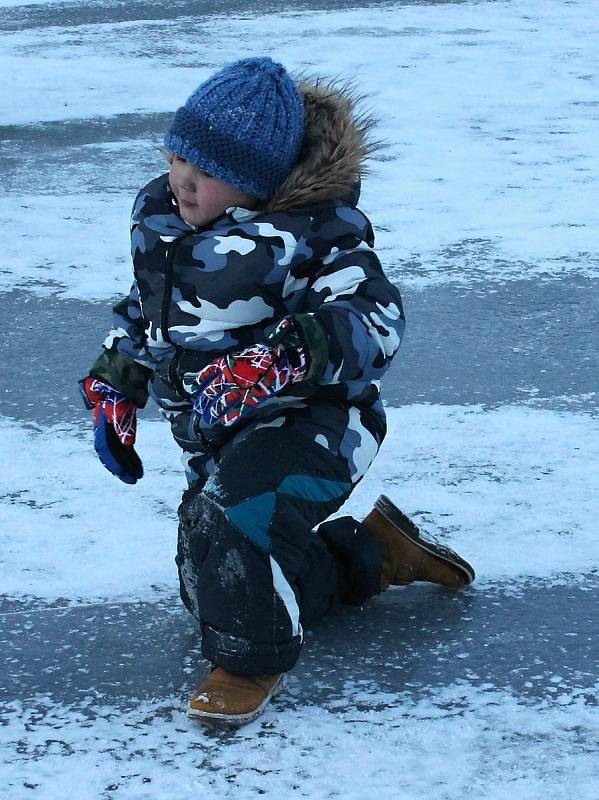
column 261, row 323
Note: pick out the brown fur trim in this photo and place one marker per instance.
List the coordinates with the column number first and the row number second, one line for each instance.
column 336, row 144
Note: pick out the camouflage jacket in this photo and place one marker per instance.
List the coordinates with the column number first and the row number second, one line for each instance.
column 201, row 292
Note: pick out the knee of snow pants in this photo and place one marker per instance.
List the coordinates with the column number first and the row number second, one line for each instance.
column 248, row 612
column 252, row 569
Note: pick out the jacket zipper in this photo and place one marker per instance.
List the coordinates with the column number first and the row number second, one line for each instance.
column 168, row 288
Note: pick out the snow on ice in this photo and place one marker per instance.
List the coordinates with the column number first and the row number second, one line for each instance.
column 485, row 480
column 488, row 110
column 457, row 742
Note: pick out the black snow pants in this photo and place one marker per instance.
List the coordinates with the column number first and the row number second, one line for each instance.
column 252, row 569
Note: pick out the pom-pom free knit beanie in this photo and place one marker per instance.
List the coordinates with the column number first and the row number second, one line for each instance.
column 244, row 125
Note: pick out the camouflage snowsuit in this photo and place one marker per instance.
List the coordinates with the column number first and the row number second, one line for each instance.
column 252, row 570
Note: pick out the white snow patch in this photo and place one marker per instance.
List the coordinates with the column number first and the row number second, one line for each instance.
column 457, row 741
column 509, row 488
column 75, row 244
column 68, row 529
column 490, row 115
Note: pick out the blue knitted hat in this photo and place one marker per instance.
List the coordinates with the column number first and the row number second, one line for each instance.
column 244, row 125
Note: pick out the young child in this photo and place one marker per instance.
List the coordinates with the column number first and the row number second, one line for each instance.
column 261, row 322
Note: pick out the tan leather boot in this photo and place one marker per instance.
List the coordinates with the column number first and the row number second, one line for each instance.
column 228, row 701
column 407, row 556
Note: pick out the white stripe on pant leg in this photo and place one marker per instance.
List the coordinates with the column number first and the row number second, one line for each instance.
column 285, row 592
column 364, row 454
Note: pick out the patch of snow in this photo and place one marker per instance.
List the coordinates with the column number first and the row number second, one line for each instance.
column 509, row 488
column 488, row 109
column 457, row 741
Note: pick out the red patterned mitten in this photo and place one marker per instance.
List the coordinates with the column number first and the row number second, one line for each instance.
column 232, row 386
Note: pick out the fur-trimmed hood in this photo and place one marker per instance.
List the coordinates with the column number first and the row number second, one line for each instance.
column 336, row 144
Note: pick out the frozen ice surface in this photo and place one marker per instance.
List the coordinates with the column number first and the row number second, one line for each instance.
column 484, row 205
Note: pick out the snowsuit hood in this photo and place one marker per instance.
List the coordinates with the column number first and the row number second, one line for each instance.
column 337, row 142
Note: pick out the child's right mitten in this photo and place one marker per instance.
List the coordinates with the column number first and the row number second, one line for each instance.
column 115, row 425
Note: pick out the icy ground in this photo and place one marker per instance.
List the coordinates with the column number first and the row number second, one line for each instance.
column 484, row 205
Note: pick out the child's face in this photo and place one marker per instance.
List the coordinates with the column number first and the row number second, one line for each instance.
column 202, row 198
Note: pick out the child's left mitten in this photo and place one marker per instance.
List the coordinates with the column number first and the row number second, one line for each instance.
column 115, row 426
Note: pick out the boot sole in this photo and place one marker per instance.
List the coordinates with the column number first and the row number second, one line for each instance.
column 226, row 721
column 431, row 544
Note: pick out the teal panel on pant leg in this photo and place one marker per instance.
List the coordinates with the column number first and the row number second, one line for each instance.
column 253, row 518
column 316, row 489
